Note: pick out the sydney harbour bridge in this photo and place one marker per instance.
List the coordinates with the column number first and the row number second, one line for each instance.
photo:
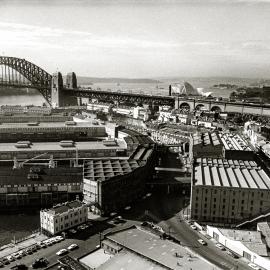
column 20, row 73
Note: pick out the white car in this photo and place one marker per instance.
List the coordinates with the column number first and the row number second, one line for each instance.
column 61, row 252
column 10, row 258
column 193, row 227
column 254, row 266
column 72, row 246
column 59, row 238
column 17, row 256
column 202, row 242
column 220, row 246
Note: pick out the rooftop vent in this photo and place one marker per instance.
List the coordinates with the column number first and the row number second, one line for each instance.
column 70, row 123
column 66, row 143
column 33, row 124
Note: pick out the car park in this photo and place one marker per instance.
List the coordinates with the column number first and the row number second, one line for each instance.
column 61, row 252
column 254, row 266
column 221, row 247
column 72, row 246
column 202, row 242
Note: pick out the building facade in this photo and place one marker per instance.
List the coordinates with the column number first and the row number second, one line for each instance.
column 228, row 191
column 63, row 217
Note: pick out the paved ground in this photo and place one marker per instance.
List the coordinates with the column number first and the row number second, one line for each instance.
column 161, row 209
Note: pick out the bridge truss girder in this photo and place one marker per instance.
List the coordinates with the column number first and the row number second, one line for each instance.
column 122, row 97
column 39, row 78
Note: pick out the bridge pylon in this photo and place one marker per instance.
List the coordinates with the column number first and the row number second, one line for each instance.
column 60, row 97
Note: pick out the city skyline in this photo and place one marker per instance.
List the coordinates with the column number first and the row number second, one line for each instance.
column 140, row 38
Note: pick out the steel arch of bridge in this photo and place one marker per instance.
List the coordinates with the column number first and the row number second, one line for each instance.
column 39, row 78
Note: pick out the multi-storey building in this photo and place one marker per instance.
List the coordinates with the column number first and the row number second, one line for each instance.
column 63, row 217
column 227, row 191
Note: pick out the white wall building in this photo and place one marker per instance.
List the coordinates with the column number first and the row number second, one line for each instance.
column 63, row 217
column 248, row 244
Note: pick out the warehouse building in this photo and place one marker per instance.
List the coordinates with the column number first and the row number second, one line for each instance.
column 226, row 191
column 51, row 131
column 220, row 145
column 32, row 187
column 109, row 185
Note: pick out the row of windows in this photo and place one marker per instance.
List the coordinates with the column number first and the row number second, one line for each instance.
column 230, row 192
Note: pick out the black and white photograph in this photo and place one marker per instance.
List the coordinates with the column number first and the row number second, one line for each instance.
column 135, row 134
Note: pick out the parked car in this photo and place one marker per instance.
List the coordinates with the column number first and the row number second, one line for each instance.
column 1, row 265
column 73, row 231
column 193, row 227
column 72, row 247
column 202, row 242
column 220, row 246
column 10, row 258
column 232, row 254
column 17, row 256
column 61, row 252
column 5, row 261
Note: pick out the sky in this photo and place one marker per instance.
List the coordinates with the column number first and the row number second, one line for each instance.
column 140, row 39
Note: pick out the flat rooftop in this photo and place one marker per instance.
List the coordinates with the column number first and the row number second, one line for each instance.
column 56, row 147
column 64, row 207
column 234, row 142
column 104, row 169
column 39, row 125
column 206, row 138
column 230, row 173
column 251, row 239
column 151, row 247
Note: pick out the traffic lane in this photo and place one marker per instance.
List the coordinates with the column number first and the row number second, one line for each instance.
column 187, row 236
column 189, row 239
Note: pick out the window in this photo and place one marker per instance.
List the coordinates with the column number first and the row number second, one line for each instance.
column 233, row 200
column 215, row 199
column 243, row 201
column 233, row 207
column 214, row 206
column 251, row 202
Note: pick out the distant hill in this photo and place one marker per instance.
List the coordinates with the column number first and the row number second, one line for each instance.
column 89, row 80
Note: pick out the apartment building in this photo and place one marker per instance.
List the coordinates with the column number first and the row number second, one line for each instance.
column 63, row 217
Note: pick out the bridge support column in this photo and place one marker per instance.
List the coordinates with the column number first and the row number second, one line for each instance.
column 57, row 89
column 60, row 97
